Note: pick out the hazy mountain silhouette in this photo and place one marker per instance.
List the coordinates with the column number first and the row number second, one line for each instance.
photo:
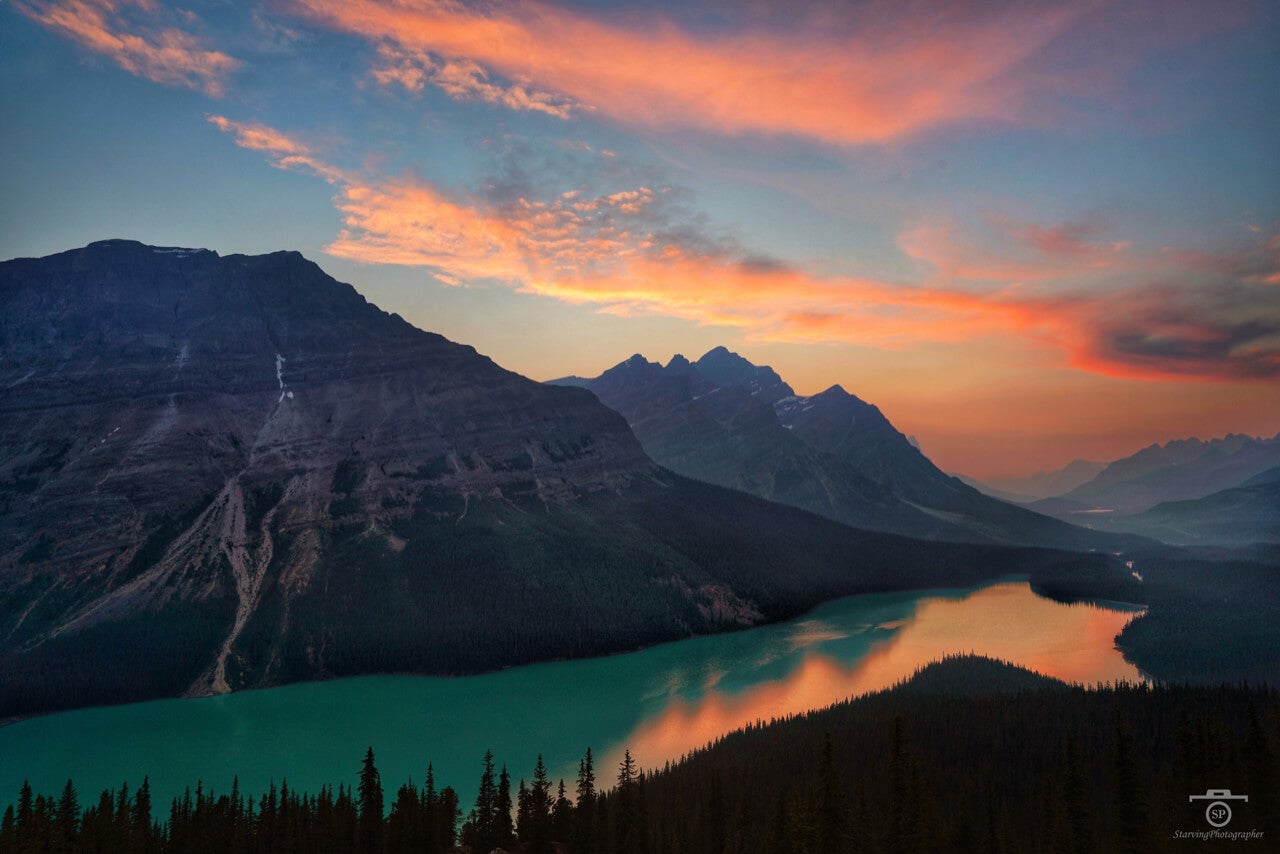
column 1178, row 470
column 1045, row 484
column 1249, row 513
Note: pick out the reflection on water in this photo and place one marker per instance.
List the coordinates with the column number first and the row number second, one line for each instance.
column 660, row 702
column 1004, row 621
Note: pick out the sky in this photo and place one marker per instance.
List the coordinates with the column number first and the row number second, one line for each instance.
column 1029, row 232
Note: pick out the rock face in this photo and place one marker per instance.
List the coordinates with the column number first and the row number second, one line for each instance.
column 230, row 472
column 166, row 415
column 726, row 421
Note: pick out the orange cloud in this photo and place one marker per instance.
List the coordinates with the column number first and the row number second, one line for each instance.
column 900, row 74
column 462, row 80
column 621, row 251
column 162, row 54
column 1187, row 315
column 286, row 152
column 1012, row 252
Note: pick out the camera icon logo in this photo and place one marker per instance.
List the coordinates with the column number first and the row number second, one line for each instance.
column 1218, row 812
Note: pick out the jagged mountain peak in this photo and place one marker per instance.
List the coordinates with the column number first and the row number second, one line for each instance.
column 727, row 421
column 636, row 365
column 727, row 369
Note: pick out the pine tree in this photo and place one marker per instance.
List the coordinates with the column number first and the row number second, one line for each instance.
column 562, row 817
column 26, row 818
column 538, row 835
column 141, row 818
column 370, row 806
column 584, row 814
column 626, row 770
column 403, row 824
column 68, row 816
column 486, row 809
column 626, row 812
column 447, row 820
column 42, row 824
column 506, row 832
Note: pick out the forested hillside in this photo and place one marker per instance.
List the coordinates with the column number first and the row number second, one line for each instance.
column 970, row 755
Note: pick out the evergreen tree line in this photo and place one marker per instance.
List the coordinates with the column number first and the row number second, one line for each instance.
column 354, row 821
column 970, row 755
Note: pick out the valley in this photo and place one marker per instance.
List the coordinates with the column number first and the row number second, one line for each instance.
column 226, row 473
column 660, row 703
column 296, row 524
column 799, row 427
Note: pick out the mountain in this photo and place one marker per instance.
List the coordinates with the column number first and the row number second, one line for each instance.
column 1045, row 484
column 1179, row 470
column 1249, row 513
column 729, row 422
column 987, row 489
column 229, row 472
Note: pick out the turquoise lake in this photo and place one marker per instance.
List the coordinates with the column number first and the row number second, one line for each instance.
column 659, row 702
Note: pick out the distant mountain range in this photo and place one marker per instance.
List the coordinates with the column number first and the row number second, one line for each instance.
column 727, row 421
column 1184, row 492
column 1045, row 484
column 227, row 472
column 1249, row 513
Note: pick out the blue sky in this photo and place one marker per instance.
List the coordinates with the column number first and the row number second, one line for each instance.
column 1029, row 232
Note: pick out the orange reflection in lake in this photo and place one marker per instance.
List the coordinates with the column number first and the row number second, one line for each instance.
column 1004, row 621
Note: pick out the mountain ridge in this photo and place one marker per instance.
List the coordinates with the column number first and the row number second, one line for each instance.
column 830, row 453
column 225, row 472
column 1177, row 470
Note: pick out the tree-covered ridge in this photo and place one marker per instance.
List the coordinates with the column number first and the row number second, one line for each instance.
column 970, row 755
column 483, row 583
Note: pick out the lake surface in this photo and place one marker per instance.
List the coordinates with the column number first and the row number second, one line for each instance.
column 660, row 702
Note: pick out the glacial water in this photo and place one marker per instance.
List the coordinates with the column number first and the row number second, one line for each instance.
column 659, row 702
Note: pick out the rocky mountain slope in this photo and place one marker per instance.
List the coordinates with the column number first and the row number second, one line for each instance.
column 729, row 422
column 225, row 472
column 176, row 426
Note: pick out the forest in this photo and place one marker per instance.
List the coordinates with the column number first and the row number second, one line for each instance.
column 968, row 755
column 482, row 584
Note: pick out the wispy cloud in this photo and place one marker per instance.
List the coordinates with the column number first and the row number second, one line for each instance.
column 907, row 70
column 1000, row 249
column 461, row 79
column 140, row 37
column 285, row 151
column 628, row 252
column 1112, row 309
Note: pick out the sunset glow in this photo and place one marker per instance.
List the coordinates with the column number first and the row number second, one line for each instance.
column 1006, row 622
column 967, row 214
